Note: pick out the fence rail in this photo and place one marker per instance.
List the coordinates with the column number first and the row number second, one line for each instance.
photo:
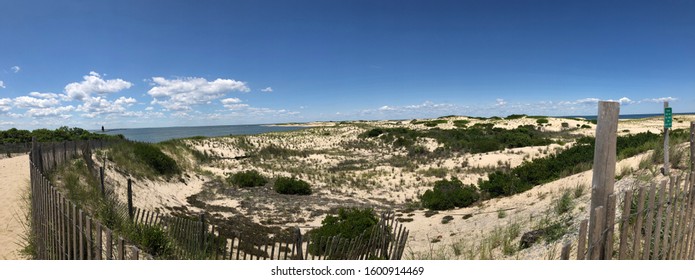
column 65, row 230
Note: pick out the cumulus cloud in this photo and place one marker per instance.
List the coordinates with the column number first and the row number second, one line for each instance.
column 268, row 89
column 43, row 95
column 5, row 104
column 2, row 84
column 181, row 94
column 50, row 112
column 594, row 101
column 33, row 102
column 231, row 100
column 236, row 106
column 386, row 108
column 97, row 106
column 499, row 102
column 94, row 84
column 15, row 69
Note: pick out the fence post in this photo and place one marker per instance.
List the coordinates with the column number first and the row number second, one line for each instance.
column 298, row 234
column 202, row 232
column 101, row 176
column 130, row 199
column 667, row 164
column 603, row 171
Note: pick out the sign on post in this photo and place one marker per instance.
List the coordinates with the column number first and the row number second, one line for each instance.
column 667, row 117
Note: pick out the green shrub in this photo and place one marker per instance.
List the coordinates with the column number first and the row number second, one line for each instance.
column 542, row 121
column 155, row 158
column 461, row 123
column 349, row 223
column 153, row 240
column 285, row 185
column 448, row 194
column 247, row 179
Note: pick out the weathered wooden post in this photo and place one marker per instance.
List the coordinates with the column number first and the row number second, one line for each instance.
column 603, row 171
column 101, row 177
column 667, row 126
column 298, row 234
column 130, row 199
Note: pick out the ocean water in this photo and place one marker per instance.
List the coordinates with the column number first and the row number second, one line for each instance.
column 158, row 134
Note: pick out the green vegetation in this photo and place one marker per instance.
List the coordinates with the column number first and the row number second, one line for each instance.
column 349, row 223
column 63, row 133
column 573, row 160
column 286, row 185
column 142, row 159
column 515, row 116
column 431, row 123
column 542, row 121
column 479, row 138
column 448, row 194
column 247, row 179
column 155, row 159
column 461, row 123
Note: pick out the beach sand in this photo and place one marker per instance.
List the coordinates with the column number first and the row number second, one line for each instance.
column 14, row 182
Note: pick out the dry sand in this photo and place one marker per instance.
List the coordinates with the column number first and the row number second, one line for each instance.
column 14, row 181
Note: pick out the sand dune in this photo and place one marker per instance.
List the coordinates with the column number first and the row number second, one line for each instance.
column 14, row 182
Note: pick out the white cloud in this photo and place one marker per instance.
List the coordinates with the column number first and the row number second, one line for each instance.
column 149, row 108
column 43, row 95
column 97, row 106
column 15, row 68
column 268, row 89
column 230, row 100
column 50, row 112
column 499, row 102
column 32, row 102
column 660, row 99
column 94, row 84
column 2, row 84
column 181, row 94
column 236, row 106
column 386, row 108
column 5, row 104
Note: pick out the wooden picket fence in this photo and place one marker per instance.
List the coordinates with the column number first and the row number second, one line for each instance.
column 194, row 239
column 63, row 230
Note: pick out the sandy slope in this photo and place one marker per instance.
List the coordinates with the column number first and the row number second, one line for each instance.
column 14, row 179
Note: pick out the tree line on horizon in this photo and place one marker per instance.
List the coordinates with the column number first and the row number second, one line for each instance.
column 63, row 133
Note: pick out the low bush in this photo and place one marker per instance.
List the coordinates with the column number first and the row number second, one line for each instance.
column 155, row 158
column 286, row 185
column 448, row 194
column 349, row 223
column 247, row 179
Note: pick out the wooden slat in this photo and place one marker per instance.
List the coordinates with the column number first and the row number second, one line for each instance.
column 627, row 201
column 674, row 220
column 650, row 222
column 88, row 237
column 610, row 227
column 637, row 240
column 678, row 221
column 121, row 249
column 667, row 224
column 80, row 222
column 100, row 246
column 594, row 244
column 565, row 254
column 659, row 218
column 109, row 245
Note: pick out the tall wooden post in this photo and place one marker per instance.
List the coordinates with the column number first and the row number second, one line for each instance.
column 203, row 229
column 130, row 199
column 667, row 164
column 603, row 170
column 101, row 176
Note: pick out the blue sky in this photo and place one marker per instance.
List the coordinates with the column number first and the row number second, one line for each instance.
column 176, row 63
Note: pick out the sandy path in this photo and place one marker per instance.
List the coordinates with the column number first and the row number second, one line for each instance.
column 14, row 179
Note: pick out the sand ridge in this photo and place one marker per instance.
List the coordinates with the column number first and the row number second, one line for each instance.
column 14, row 183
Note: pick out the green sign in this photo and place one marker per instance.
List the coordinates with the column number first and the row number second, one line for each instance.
column 667, row 117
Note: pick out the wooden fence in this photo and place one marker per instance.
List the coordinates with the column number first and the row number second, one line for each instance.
column 61, row 229
column 656, row 222
column 64, row 230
